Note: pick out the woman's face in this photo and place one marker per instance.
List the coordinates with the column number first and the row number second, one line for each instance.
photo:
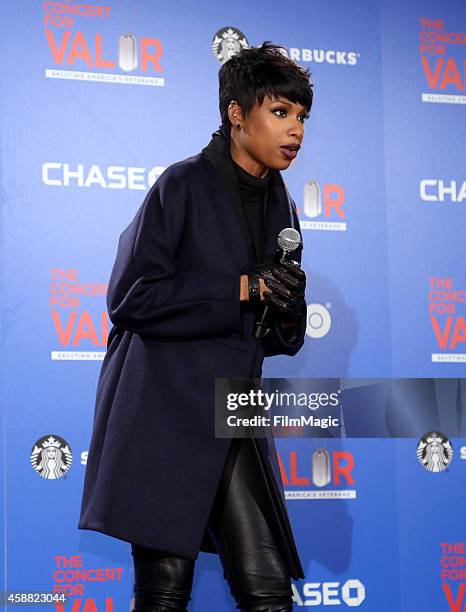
column 270, row 135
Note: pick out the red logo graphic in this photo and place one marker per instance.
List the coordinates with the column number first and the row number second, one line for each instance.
column 453, row 564
column 327, row 473
column 449, row 328
column 75, row 327
column 71, row 576
column 324, row 205
column 343, row 465
column 442, row 73
column 73, row 49
column 93, row 56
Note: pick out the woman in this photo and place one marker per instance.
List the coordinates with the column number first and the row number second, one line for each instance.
column 184, row 294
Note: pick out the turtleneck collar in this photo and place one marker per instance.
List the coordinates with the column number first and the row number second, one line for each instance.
column 251, row 183
column 218, row 151
column 217, row 154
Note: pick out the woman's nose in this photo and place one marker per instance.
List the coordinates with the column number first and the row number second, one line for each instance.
column 296, row 129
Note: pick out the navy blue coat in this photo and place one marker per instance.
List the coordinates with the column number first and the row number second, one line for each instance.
column 154, row 463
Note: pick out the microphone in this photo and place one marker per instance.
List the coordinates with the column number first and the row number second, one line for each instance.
column 289, row 240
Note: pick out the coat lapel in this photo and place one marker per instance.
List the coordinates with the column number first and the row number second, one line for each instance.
column 277, row 214
column 218, row 154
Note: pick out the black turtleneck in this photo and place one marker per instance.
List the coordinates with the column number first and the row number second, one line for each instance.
column 253, row 195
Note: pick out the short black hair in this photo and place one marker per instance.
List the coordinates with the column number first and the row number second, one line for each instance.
column 253, row 73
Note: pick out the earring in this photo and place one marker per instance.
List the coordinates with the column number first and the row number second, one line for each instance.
column 238, row 125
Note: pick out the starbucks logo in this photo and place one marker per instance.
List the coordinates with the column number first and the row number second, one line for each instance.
column 51, row 457
column 434, row 451
column 227, row 42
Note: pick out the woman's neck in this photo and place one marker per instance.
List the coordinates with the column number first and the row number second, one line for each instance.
column 248, row 163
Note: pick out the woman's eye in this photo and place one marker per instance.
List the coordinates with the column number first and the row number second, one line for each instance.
column 282, row 112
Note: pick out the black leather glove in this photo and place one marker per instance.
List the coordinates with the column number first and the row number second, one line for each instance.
column 288, row 285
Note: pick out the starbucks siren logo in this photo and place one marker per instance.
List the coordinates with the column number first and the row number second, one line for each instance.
column 434, row 451
column 51, row 457
column 227, row 42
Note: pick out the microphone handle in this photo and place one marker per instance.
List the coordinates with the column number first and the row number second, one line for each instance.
column 262, row 326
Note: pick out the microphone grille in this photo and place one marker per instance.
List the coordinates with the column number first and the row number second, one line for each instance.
column 289, row 239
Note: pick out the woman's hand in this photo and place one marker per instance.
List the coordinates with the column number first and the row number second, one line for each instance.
column 287, row 283
column 244, row 288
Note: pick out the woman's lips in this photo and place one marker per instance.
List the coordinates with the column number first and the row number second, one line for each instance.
column 289, row 153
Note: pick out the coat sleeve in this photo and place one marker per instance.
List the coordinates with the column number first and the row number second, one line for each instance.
column 277, row 341
column 147, row 294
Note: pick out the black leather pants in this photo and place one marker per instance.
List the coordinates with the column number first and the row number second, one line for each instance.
column 252, row 562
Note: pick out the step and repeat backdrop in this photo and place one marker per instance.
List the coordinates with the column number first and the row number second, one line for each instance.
column 98, row 99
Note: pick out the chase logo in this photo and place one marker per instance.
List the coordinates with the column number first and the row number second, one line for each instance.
column 352, row 593
column 65, row 174
column 439, row 190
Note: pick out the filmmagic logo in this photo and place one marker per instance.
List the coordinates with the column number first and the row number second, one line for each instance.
column 51, row 457
column 352, row 593
column 323, row 207
column 63, row 174
column 434, row 451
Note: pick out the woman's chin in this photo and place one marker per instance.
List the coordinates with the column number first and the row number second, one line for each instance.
column 282, row 164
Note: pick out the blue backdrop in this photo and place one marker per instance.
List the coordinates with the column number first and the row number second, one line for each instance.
column 380, row 186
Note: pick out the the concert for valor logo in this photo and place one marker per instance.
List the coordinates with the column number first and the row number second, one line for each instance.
column 434, row 451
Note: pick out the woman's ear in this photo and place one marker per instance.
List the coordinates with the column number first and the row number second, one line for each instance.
column 234, row 114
